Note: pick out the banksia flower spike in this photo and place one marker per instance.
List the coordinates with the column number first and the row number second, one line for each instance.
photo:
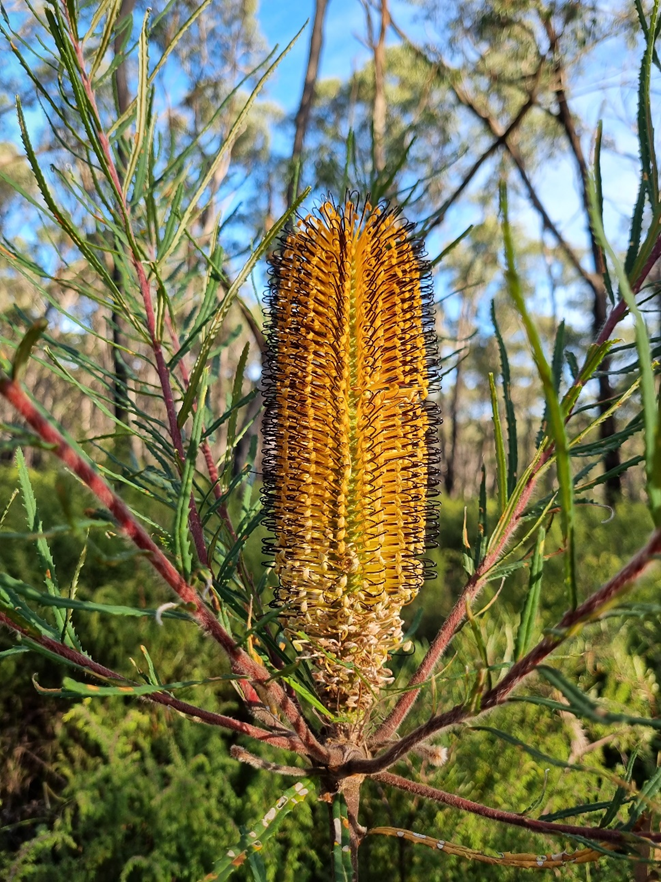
column 350, row 450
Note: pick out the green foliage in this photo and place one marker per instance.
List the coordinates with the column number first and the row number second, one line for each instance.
column 151, row 798
column 140, row 382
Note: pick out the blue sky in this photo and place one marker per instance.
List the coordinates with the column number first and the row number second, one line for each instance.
column 607, row 90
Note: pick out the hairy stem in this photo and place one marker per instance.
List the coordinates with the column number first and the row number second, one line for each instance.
column 595, row 833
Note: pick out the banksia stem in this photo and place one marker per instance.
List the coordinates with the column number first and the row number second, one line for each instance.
column 350, row 448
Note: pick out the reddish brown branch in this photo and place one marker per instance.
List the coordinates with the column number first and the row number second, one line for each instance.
column 283, row 739
column 115, row 178
column 567, row 626
column 241, row 662
column 457, row 615
column 598, row 834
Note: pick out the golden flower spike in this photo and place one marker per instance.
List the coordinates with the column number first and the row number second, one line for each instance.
column 350, row 440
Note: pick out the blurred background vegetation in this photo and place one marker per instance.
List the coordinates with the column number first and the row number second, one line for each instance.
column 437, row 103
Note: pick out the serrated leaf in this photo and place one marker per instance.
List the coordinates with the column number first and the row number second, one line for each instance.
column 645, row 125
column 254, row 839
column 510, row 416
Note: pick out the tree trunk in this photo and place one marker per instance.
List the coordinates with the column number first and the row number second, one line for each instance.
column 379, row 109
column 307, row 98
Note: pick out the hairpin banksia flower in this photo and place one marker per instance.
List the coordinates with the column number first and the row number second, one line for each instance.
column 350, row 441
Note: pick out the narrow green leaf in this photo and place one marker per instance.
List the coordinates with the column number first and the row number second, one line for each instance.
column 45, row 558
column 153, row 678
column 73, row 687
column 501, row 466
column 636, row 228
column 101, row 10
column 73, row 590
column 309, row 697
column 246, row 399
column 216, row 323
column 510, row 416
column 228, row 143
column 106, row 35
column 600, row 202
column 181, row 534
column 651, row 408
column 649, row 789
column 645, row 125
column 58, row 214
column 172, row 45
column 481, row 646
column 558, row 356
column 14, row 650
column 581, row 705
column 481, row 544
column 236, row 396
column 257, row 866
column 13, row 606
column 448, row 248
column 22, row 589
column 141, row 120
column 529, row 613
column 556, row 417
column 642, row 20
column 25, row 347
column 620, row 795
column 571, row 812
column 261, row 832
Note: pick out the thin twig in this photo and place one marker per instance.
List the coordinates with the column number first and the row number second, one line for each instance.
column 244, row 756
